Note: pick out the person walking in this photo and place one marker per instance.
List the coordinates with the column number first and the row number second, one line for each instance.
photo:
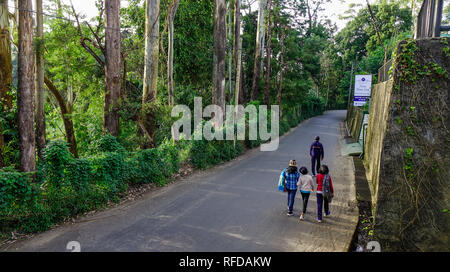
column 316, row 153
column 291, row 176
column 324, row 192
column 306, row 186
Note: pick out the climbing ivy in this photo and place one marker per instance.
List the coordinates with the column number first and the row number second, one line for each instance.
column 408, row 68
column 421, row 119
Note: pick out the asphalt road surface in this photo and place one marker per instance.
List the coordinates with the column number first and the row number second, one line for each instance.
column 232, row 207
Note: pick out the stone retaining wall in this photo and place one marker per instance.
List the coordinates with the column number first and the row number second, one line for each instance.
column 408, row 150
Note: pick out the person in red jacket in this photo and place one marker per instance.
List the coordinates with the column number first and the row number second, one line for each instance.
column 323, row 173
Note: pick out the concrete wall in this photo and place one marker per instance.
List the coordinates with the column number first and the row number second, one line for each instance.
column 376, row 129
column 408, row 150
column 354, row 119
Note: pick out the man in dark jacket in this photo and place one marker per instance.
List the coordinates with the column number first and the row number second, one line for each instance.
column 316, row 153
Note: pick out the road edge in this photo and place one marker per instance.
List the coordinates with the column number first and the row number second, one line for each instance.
column 353, row 198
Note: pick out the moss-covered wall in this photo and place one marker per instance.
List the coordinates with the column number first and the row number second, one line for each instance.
column 408, row 149
column 354, row 119
column 376, row 129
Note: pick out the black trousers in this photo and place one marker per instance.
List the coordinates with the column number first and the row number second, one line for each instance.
column 305, row 198
column 321, row 200
column 315, row 164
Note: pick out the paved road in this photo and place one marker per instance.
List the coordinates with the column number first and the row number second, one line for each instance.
column 232, row 207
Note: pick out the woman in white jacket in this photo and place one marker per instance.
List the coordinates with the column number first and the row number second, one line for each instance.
column 306, row 186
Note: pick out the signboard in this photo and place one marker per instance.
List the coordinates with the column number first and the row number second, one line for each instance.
column 363, row 86
column 359, row 101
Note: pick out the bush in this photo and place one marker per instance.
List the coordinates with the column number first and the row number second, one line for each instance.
column 204, row 153
column 79, row 175
column 72, row 186
column 109, row 143
column 153, row 165
column 285, row 126
column 16, row 192
column 39, row 219
column 75, row 185
column 20, row 202
column 56, row 157
column 170, row 156
column 200, row 154
column 111, row 170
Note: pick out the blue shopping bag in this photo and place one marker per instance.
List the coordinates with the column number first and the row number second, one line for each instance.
column 282, row 181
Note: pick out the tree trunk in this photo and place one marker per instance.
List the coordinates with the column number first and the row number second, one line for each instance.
column 219, row 50
column 230, row 53
column 25, row 89
column 5, row 57
column 237, row 49
column 257, row 67
column 39, row 81
column 170, row 84
column 309, row 17
column 112, row 68
column 66, row 115
column 263, row 37
column 268, row 53
column 280, row 86
column 149, row 92
column 242, row 96
column 5, row 70
column 238, row 83
column 238, row 73
column 237, row 33
column 349, row 93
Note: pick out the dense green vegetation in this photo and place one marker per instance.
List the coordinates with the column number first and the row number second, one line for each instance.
column 309, row 72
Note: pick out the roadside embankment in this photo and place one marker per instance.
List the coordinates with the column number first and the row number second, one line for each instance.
column 407, row 149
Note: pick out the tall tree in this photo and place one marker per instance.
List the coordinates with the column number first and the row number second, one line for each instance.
column 25, row 88
column 5, row 69
column 112, row 68
column 257, row 65
column 170, row 87
column 237, row 47
column 282, row 66
column 66, row 108
column 39, row 80
column 268, row 54
column 230, row 51
column 219, row 40
column 150, row 91
column 5, row 57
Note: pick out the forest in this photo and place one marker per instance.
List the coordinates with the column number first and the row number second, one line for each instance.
column 86, row 104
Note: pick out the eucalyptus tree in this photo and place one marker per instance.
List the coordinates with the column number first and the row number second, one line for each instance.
column 268, row 54
column 237, row 50
column 39, row 79
column 150, row 80
column 258, row 46
column 219, row 49
column 25, row 88
column 172, row 11
column 112, row 68
column 6, row 98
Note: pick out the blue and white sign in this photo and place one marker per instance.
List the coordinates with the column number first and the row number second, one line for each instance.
column 363, row 86
column 360, row 100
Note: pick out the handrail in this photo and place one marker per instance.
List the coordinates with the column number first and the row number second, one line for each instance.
column 364, row 128
column 429, row 20
column 383, row 71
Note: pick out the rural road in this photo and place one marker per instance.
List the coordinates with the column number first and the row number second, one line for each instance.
column 232, row 207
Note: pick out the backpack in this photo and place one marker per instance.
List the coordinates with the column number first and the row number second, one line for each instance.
column 326, row 189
